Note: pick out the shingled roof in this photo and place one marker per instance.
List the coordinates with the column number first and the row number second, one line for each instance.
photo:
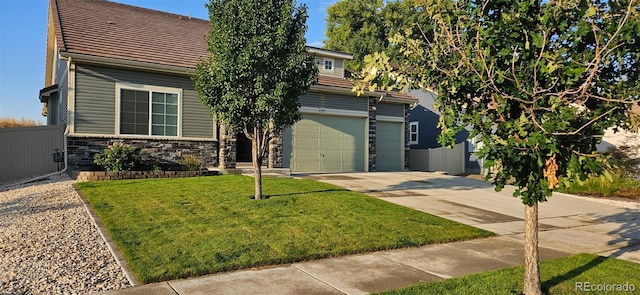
column 105, row 29
column 102, row 28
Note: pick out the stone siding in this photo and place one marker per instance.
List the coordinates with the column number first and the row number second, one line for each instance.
column 165, row 154
column 407, row 146
column 227, row 148
column 372, row 133
column 276, row 153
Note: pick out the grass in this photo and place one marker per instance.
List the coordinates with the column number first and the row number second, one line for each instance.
column 622, row 187
column 559, row 276
column 176, row 228
column 22, row 122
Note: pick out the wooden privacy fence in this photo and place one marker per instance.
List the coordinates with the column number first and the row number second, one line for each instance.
column 27, row 151
column 439, row 159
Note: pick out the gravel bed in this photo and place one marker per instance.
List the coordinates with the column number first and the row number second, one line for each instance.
column 48, row 244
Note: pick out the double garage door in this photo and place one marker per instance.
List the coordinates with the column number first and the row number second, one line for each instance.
column 324, row 143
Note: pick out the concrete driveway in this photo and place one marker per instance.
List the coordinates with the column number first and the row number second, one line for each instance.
column 567, row 223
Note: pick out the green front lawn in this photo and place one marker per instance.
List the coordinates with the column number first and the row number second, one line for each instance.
column 176, row 228
column 579, row 274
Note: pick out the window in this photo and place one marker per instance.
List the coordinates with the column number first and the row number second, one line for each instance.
column 413, row 132
column 328, row 65
column 149, row 110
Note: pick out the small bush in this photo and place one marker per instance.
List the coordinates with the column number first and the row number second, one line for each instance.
column 119, row 157
column 191, row 163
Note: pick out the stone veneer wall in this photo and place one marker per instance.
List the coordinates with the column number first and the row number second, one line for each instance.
column 372, row 133
column 227, row 148
column 166, row 154
column 407, row 146
column 276, row 153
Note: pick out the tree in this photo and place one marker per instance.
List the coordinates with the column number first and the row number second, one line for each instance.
column 362, row 27
column 256, row 69
column 539, row 81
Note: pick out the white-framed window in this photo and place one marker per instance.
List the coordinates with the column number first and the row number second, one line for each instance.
column 148, row 110
column 328, row 64
column 413, row 132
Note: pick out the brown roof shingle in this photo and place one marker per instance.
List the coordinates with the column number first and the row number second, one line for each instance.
column 102, row 28
column 108, row 29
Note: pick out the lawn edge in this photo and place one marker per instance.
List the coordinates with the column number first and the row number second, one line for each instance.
column 104, row 234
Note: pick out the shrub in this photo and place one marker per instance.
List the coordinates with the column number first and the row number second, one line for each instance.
column 119, row 157
column 191, row 163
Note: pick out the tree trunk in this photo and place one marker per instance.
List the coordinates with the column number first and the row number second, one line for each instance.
column 257, row 161
column 531, row 255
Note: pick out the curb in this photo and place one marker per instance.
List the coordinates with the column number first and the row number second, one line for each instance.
column 117, row 255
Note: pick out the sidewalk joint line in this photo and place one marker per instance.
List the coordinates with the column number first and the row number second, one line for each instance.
column 320, row 280
column 172, row 288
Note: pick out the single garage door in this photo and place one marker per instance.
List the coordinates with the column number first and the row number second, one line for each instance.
column 320, row 143
column 389, row 145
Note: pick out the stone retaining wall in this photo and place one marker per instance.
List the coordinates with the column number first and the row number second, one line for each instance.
column 102, row 175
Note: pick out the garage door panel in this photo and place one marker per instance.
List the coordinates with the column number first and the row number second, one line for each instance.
column 389, row 146
column 323, row 143
column 332, row 143
column 308, row 130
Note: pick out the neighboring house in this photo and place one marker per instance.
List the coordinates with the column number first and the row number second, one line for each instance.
column 613, row 139
column 119, row 73
column 423, row 130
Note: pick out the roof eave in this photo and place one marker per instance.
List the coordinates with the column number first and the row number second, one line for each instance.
column 329, row 53
column 380, row 95
column 124, row 63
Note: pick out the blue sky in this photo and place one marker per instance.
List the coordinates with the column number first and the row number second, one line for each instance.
column 23, row 26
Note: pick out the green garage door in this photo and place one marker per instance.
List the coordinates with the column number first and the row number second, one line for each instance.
column 389, row 145
column 319, row 143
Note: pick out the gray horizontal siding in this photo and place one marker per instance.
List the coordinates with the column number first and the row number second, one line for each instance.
column 95, row 100
column 389, row 109
column 52, row 110
column 338, row 67
column 63, row 92
column 334, row 101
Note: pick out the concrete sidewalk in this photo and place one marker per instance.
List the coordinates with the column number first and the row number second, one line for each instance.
column 568, row 225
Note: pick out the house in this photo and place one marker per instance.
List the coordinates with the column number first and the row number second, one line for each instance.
column 423, row 135
column 119, row 73
column 613, row 138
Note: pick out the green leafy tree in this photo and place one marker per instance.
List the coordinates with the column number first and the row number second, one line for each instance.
column 538, row 81
column 362, row 27
column 256, row 69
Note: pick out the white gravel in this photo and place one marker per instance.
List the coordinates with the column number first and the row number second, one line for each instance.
column 48, row 244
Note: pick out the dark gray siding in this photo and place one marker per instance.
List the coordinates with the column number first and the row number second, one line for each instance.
column 96, row 104
column 389, row 109
column 62, row 79
column 334, row 101
column 52, row 110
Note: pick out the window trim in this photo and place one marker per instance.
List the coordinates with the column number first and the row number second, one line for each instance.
column 149, row 88
column 324, row 64
column 417, row 132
